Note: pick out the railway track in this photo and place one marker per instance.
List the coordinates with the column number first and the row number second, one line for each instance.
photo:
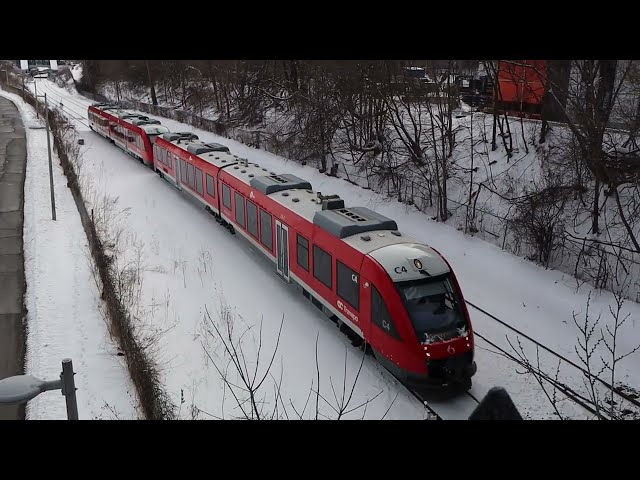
column 459, row 407
column 77, row 113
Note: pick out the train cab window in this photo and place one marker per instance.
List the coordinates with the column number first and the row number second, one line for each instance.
column 434, row 306
column 199, row 181
column 226, row 196
column 302, row 247
column 266, row 230
column 322, row 266
column 211, row 186
column 252, row 218
column 380, row 315
column 348, row 284
column 239, row 200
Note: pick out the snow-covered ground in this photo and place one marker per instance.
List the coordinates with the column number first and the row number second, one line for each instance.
column 61, row 295
column 191, row 263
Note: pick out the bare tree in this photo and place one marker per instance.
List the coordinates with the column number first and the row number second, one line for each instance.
column 602, row 393
column 245, row 376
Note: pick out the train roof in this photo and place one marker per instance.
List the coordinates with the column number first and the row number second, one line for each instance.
column 109, row 108
column 116, row 111
column 296, row 194
column 150, row 126
column 154, row 129
column 410, row 261
column 139, row 121
column 393, row 249
column 214, row 153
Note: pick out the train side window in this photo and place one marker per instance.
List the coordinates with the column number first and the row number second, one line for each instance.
column 380, row 315
column 226, row 196
column 348, row 284
column 211, row 186
column 199, row 181
column 322, row 266
column 239, row 209
column 266, row 230
column 302, row 247
column 168, row 161
column 252, row 218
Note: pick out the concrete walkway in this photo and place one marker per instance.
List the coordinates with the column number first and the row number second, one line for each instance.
column 13, row 161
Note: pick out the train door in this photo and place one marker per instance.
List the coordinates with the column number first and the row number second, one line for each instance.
column 282, row 249
column 179, row 170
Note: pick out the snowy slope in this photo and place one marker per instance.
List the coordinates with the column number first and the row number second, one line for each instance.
column 61, row 296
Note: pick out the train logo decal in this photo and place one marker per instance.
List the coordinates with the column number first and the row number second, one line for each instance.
column 347, row 312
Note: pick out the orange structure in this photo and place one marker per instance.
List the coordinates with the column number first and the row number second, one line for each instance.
column 521, row 87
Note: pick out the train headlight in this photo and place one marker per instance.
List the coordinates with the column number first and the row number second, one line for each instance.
column 418, row 264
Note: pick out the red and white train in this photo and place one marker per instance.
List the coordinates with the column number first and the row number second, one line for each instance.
column 397, row 296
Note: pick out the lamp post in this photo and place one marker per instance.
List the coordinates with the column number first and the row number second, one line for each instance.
column 46, row 122
column 22, row 388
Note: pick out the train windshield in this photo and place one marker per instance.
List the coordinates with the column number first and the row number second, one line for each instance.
column 434, row 308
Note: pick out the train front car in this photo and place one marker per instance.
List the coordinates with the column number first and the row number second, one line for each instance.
column 427, row 338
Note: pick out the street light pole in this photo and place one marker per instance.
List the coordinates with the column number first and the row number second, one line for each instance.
column 46, row 122
column 22, row 388
column 69, row 389
column 53, row 200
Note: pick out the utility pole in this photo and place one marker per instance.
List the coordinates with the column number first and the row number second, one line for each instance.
column 46, row 123
column 53, row 200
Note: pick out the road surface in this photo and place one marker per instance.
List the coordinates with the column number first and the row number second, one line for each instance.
column 13, row 160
